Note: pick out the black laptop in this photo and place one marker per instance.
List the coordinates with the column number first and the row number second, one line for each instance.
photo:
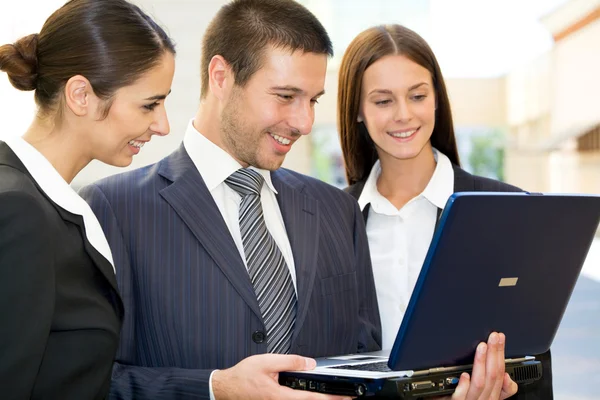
column 505, row 262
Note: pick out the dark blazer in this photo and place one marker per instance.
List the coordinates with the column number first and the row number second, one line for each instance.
column 190, row 305
column 465, row 182
column 60, row 312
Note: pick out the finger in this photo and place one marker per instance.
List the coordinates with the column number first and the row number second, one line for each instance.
column 460, row 393
column 493, row 374
column 495, row 366
column 501, row 366
column 509, row 387
column 477, row 383
column 284, row 362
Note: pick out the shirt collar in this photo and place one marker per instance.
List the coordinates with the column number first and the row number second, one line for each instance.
column 60, row 192
column 206, row 155
column 441, row 184
column 370, row 192
column 437, row 191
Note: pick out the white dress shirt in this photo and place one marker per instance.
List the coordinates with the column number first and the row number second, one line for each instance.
column 59, row 191
column 215, row 165
column 399, row 240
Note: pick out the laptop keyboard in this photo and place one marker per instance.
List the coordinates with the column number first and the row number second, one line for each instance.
column 375, row 367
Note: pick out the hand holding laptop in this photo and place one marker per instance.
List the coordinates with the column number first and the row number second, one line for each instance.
column 256, row 377
column 489, row 381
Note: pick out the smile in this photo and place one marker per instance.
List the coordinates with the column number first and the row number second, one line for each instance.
column 403, row 135
column 136, row 143
column 280, row 139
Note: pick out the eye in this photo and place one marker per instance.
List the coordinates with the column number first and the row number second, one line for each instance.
column 383, row 102
column 315, row 101
column 419, row 97
column 285, row 97
column 151, row 107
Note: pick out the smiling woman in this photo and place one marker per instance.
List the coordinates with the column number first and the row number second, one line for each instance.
column 100, row 71
column 397, row 138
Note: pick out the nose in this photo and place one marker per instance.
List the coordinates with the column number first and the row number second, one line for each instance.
column 403, row 112
column 160, row 125
column 302, row 118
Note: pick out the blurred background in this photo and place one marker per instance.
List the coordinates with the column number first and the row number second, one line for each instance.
column 523, row 78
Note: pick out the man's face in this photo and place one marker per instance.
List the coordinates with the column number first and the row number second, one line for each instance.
column 264, row 118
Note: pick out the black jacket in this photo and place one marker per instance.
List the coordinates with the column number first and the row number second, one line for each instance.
column 60, row 312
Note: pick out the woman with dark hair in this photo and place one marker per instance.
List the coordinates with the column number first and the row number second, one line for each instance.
column 402, row 164
column 101, row 70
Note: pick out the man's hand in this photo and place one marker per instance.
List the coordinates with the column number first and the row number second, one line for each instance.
column 489, row 381
column 256, row 377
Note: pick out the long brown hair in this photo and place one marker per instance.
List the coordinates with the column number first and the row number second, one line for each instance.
column 110, row 42
column 369, row 46
column 242, row 30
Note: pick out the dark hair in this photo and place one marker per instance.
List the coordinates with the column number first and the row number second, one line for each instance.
column 242, row 30
column 369, row 46
column 109, row 42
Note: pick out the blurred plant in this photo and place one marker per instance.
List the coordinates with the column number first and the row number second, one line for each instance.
column 487, row 154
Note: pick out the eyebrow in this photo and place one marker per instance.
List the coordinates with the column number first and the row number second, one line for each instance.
column 387, row 91
column 158, row 96
column 296, row 90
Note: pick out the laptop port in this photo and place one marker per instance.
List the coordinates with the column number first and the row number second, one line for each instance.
column 422, row 385
column 451, row 382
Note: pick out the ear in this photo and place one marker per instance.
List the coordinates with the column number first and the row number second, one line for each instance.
column 360, row 117
column 78, row 95
column 220, row 77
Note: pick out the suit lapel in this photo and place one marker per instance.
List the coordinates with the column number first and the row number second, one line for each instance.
column 192, row 201
column 301, row 218
column 101, row 263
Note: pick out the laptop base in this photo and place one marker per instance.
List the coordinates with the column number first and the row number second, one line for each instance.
column 418, row 386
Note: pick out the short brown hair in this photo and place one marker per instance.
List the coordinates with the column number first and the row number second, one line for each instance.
column 369, row 46
column 242, row 30
column 110, row 42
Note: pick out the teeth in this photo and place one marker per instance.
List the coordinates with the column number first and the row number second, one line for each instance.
column 403, row 134
column 136, row 143
column 280, row 139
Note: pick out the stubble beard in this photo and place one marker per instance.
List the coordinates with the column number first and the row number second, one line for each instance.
column 242, row 142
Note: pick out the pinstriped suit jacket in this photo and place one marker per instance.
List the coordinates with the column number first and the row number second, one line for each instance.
column 465, row 182
column 190, row 307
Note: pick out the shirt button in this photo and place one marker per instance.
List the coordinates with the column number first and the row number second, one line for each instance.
column 258, row 337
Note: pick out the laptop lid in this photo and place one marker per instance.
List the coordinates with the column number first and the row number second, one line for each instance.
column 505, row 262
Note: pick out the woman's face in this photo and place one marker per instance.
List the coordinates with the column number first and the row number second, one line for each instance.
column 397, row 105
column 136, row 114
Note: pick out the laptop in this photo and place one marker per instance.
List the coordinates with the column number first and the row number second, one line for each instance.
column 510, row 260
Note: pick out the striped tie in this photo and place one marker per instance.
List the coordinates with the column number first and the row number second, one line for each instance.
column 268, row 270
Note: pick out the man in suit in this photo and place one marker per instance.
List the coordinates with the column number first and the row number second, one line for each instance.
column 223, row 256
column 195, row 325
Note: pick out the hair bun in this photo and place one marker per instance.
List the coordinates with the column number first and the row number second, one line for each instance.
column 19, row 61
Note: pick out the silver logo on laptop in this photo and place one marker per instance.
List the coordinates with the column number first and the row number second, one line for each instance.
column 504, row 282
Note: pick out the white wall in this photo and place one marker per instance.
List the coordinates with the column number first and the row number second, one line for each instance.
column 576, row 83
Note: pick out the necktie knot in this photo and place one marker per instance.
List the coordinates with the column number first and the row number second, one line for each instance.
column 245, row 181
